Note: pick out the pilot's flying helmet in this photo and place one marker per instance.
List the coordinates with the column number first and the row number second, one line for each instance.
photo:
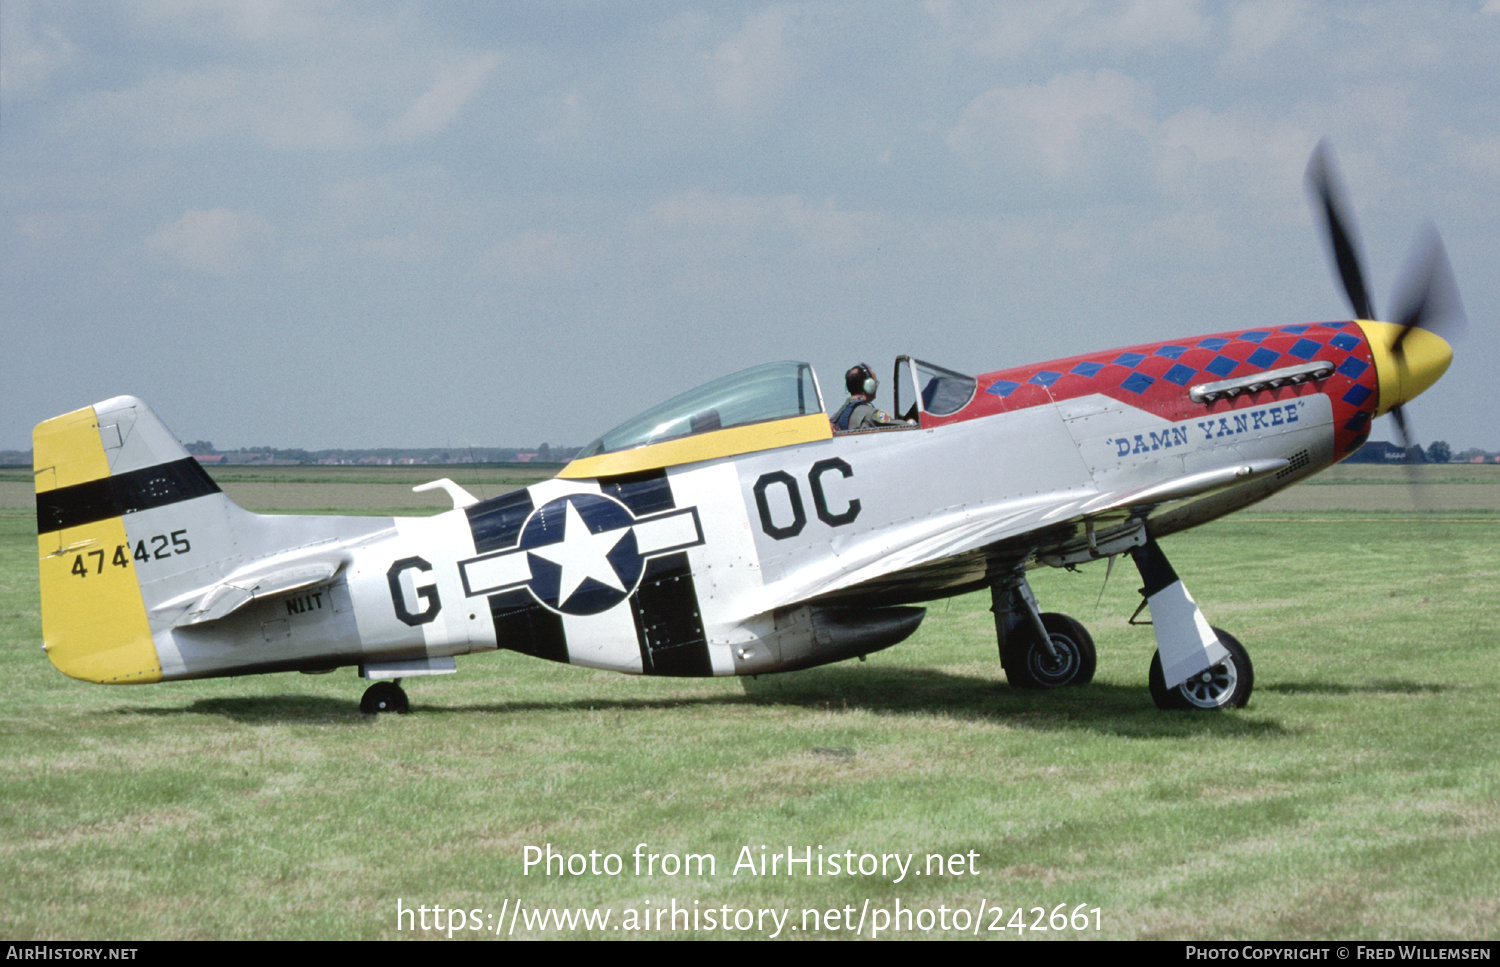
column 861, row 379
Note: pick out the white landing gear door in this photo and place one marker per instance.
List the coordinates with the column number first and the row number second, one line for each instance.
column 1183, row 637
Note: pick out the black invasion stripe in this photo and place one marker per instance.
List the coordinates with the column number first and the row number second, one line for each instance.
column 121, row 494
column 667, row 622
column 496, row 523
column 520, row 623
column 525, row 626
column 644, row 493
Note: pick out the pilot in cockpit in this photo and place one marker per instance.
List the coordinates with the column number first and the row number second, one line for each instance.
column 858, row 411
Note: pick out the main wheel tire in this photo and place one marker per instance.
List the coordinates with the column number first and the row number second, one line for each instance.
column 1225, row 685
column 384, row 697
column 1027, row 664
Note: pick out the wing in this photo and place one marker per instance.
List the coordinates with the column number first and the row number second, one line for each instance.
column 942, row 555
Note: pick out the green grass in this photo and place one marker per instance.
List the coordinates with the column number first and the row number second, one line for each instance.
column 1356, row 797
column 1487, row 474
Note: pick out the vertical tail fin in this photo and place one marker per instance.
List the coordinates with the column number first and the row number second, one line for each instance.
column 93, row 467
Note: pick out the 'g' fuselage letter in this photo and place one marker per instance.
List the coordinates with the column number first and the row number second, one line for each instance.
column 427, row 593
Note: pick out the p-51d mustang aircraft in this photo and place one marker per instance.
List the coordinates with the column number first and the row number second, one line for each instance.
column 732, row 530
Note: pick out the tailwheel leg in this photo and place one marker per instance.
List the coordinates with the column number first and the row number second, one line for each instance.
column 1195, row 666
column 384, row 697
column 1038, row 650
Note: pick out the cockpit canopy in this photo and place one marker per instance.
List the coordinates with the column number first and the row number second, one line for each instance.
column 943, row 392
column 761, row 408
column 760, row 394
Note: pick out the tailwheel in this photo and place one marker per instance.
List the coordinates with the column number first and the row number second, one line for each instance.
column 1225, row 685
column 384, row 697
column 1070, row 661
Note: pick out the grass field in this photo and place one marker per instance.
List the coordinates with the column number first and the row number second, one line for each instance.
column 1358, row 796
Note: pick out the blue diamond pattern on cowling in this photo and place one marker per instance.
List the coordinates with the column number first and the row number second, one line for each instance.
column 1180, row 374
column 1353, row 367
column 1137, row 378
column 1263, row 358
column 1304, row 349
column 1222, row 365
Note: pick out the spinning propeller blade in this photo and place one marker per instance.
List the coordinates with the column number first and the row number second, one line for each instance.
column 1427, row 297
column 1411, row 353
column 1338, row 226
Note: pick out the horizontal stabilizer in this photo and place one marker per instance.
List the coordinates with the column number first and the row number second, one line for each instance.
column 265, row 580
column 410, row 668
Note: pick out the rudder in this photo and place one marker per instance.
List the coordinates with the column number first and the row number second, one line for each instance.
column 94, row 466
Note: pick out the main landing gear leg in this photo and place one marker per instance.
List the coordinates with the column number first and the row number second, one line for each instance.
column 386, row 696
column 1038, row 650
column 1195, row 666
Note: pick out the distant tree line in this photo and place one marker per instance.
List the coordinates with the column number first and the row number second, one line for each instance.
column 1378, row 451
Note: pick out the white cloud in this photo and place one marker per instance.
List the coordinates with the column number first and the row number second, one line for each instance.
column 405, row 216
column 304, row 109
column 1065, row 128
column 1482, row 154
column 1195, row 230
column 1001, row 30
column 568, row 117
column 30, row 54
column 1377, row 109
column 531, row 258
column 1016, row 29
column 753, row 69
column 218, row 241
column 247, row 20
column 436, row 108
column 718, row 220
column 1257, row 26
column 412, row 248
column 1146, row 23
column 288, row 76
column 1196, row 137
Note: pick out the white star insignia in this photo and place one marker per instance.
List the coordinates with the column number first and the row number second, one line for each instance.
column 582, row 555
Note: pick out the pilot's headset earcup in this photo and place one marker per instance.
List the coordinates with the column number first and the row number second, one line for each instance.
column 860, row 379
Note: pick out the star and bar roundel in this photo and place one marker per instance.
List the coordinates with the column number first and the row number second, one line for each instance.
column 581, row 554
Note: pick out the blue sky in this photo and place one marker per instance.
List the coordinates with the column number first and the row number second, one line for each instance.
column 417, row 224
